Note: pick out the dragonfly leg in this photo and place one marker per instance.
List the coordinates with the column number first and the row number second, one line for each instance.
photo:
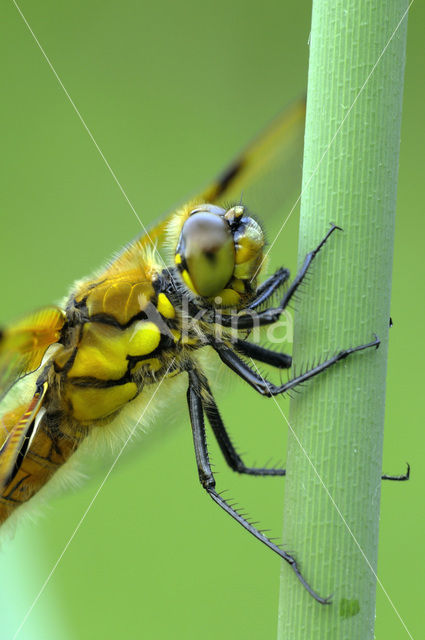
column 228, row 450
column 256, row 352
column 267, row 388
column 232, row 457
column 196, row 411
column 401, row 478
column 269, row 286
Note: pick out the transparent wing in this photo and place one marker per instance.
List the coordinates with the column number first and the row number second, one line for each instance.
column 266, row 177
column 267, row 173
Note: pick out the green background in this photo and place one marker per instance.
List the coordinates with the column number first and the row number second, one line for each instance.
column 170, row 92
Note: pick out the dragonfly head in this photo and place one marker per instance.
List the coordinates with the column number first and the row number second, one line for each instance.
column 219, row 252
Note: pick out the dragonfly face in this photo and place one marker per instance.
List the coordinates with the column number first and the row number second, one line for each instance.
column 139, row 321
column 219, row 253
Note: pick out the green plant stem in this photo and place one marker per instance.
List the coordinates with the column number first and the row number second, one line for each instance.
column 332, row 493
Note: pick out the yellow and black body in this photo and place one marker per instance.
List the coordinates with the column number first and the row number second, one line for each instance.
column 120, row 330
column 73, row 372
column 118, row 333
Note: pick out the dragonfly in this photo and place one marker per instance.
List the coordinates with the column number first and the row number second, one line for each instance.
column 77, row 373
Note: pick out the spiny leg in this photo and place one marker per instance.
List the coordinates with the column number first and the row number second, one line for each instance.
column 196, row 411
column 232, row 457
column 256, row 352
column 228, row 450
column 269, row 286
column 267, row 388
column 282, row 472
column 401, row 478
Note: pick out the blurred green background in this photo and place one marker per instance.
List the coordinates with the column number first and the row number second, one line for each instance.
column 170, row 92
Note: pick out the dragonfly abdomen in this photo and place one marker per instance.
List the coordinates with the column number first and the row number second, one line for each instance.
column 45, row 456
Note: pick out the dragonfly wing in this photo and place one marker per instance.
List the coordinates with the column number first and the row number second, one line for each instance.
column 266, row 177
column 267, row 173
column 23, row 345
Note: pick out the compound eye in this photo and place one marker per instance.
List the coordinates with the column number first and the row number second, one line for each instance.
column 207, row 246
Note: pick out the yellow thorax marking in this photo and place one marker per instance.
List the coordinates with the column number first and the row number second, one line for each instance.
column 120, row 298
column 89, row 403
column 145, row 338
column 165, row 307
column 102, row 353
column 103, row 350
